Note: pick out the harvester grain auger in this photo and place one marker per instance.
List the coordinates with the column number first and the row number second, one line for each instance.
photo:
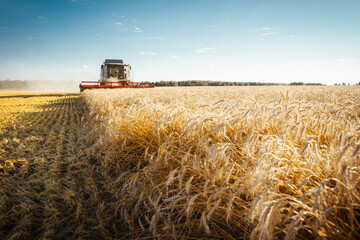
column 115, row 74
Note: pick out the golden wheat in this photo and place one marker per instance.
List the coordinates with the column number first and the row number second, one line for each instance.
column 259, row 162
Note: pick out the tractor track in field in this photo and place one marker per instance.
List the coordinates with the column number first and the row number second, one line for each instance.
column 49, row 189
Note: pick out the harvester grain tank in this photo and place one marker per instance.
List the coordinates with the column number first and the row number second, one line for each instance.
column 115, row 73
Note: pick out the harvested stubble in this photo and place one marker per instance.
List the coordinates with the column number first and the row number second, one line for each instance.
column 259, row 162
column 49, row 189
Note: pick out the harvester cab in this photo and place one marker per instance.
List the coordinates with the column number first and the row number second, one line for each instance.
column 115, row 74
column 115, row 70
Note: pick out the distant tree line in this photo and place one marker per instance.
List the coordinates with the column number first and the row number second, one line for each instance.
column 13, row 84
column 301, row 83
column 189, row 83
column 26, row 84
column 220, row 83
column 345, row 84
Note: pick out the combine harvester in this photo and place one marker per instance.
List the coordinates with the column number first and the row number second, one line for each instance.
column 114, row 74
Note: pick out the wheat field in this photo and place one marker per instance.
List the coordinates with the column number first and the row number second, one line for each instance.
column 182, row 163
column 256, row 162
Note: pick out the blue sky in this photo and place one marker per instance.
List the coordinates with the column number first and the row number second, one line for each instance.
column 267, row 41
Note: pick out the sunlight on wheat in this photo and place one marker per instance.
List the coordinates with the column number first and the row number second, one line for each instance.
column 261, row 162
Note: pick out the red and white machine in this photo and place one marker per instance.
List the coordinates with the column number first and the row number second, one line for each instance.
column 115, row 74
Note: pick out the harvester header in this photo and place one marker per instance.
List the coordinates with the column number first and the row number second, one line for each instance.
column 114, row 73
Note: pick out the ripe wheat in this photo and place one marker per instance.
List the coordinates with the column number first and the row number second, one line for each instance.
column 259, row 162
